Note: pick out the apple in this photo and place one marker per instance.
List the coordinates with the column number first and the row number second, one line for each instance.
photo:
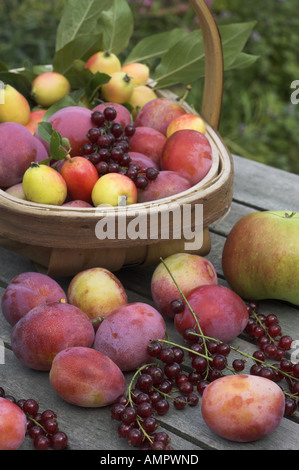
column 49, row 87
column 189, row 271
column 141, row 95
column 80, row 176
column 44, row 185
column 158, row 114
column 186, row 121
column 103, row 62
column 15, row 107
column 114, row 189
column 16, row 190
column 220, row 312
column 242, row 408
column 76, row 203
column 137, row 71
column 35, row 117
column 97, row 292
column 41, row 151
column 13, row 425
column 118, row 89
column 261, row 256
column 166, row 184
column 148, row 141
column 142, row 160
column 196, row 151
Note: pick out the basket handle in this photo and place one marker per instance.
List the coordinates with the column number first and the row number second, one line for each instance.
column 213, row 82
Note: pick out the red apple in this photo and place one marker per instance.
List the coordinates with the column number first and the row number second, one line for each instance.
column 148, row 141
column 186, row 121
column 114, row 189
column 13, row 425
column 158, row 114
column 142, row 160
column 80, row 176
column 189, row 153
column 166, row 184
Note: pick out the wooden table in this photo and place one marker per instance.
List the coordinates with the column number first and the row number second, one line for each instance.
column 256, row 187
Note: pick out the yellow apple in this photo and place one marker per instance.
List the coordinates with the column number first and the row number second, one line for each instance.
column 141, row 95
column 119, row 88
column 114, row 189
column 44, row 185
column 137, row 71
column 186, row 121
column 15, row 107
column 49, row 87
column 103, row 62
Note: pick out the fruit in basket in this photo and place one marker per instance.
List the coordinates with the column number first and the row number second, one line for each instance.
column 118, row 89
column 137, row 71
column 72, row 122
column 125, row 333
column 142, row 160
column 123, row 115
column 196, row 151
column 44, row 185
column 49, row 87
column 85, row 377
column 17, row 151
column 186, row 121
column 242, row 408
column 148, row 141
column 80, row 176
column 17, row 191
column 41, row 151
column 13, row 425
column 220, row 312
column 36, row 116
column 158, row 114
column 76, row 203
column 48, row 329
column 15, row 107
column 26, row 291
column 114, row 189
column 189, row 271
column 103, row 62
column 167, row 183
column 261, row 255
column 97, row 292
column 141, row 95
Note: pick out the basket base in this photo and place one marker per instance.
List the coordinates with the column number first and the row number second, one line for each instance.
column 61, row 262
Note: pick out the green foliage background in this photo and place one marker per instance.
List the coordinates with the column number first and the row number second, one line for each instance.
column 258, row 119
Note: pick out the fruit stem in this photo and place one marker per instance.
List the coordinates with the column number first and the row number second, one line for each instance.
column 184, row 97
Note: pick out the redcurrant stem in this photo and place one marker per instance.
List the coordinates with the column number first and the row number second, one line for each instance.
column 263, row 326
column 37, row 423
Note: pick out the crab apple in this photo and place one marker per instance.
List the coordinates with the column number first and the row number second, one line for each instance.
column 114, row 189
column 118, row 89
column 196, row 151
column 49, row 87
column 72, row 122
column 148, row 141
column 85, row 377
column 142, row 160
column 17, row 150
column 35, row 117
column 80, row 176
column 103, row 62
column 97, row 292
column 48, row 329
column 13, row 425
column 189, row 271
column 141, row 95
column 186, row 121
column 166, row 184
column 220, row 312
column 44, row 185
column 242, row 408
column 125, row 333
column 15, row 107
column 158, row 114
column 26, row 291
column 16, row 190
column 137, row 71
column 123, row 115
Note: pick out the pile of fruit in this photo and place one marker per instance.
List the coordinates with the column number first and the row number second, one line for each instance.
column 132, row 147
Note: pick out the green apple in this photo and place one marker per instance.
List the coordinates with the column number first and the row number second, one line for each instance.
column 260, row 258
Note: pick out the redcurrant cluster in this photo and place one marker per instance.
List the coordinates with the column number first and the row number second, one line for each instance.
column 108, row 147
column 42, row 427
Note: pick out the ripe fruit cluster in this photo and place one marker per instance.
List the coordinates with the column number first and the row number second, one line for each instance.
column 108, row 146
column 42, row 427
column 179, row 375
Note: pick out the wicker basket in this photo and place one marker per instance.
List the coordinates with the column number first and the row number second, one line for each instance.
column 62, row 241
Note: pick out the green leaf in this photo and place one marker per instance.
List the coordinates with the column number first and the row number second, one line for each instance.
column 243, row 60
column 18, row 81
column 45, row 130
column 155, row 46
column 58, row 147
column 234, row 38
column 79, row 18
column 117, row 26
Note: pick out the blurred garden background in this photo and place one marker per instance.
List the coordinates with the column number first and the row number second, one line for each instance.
column 258, row 121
